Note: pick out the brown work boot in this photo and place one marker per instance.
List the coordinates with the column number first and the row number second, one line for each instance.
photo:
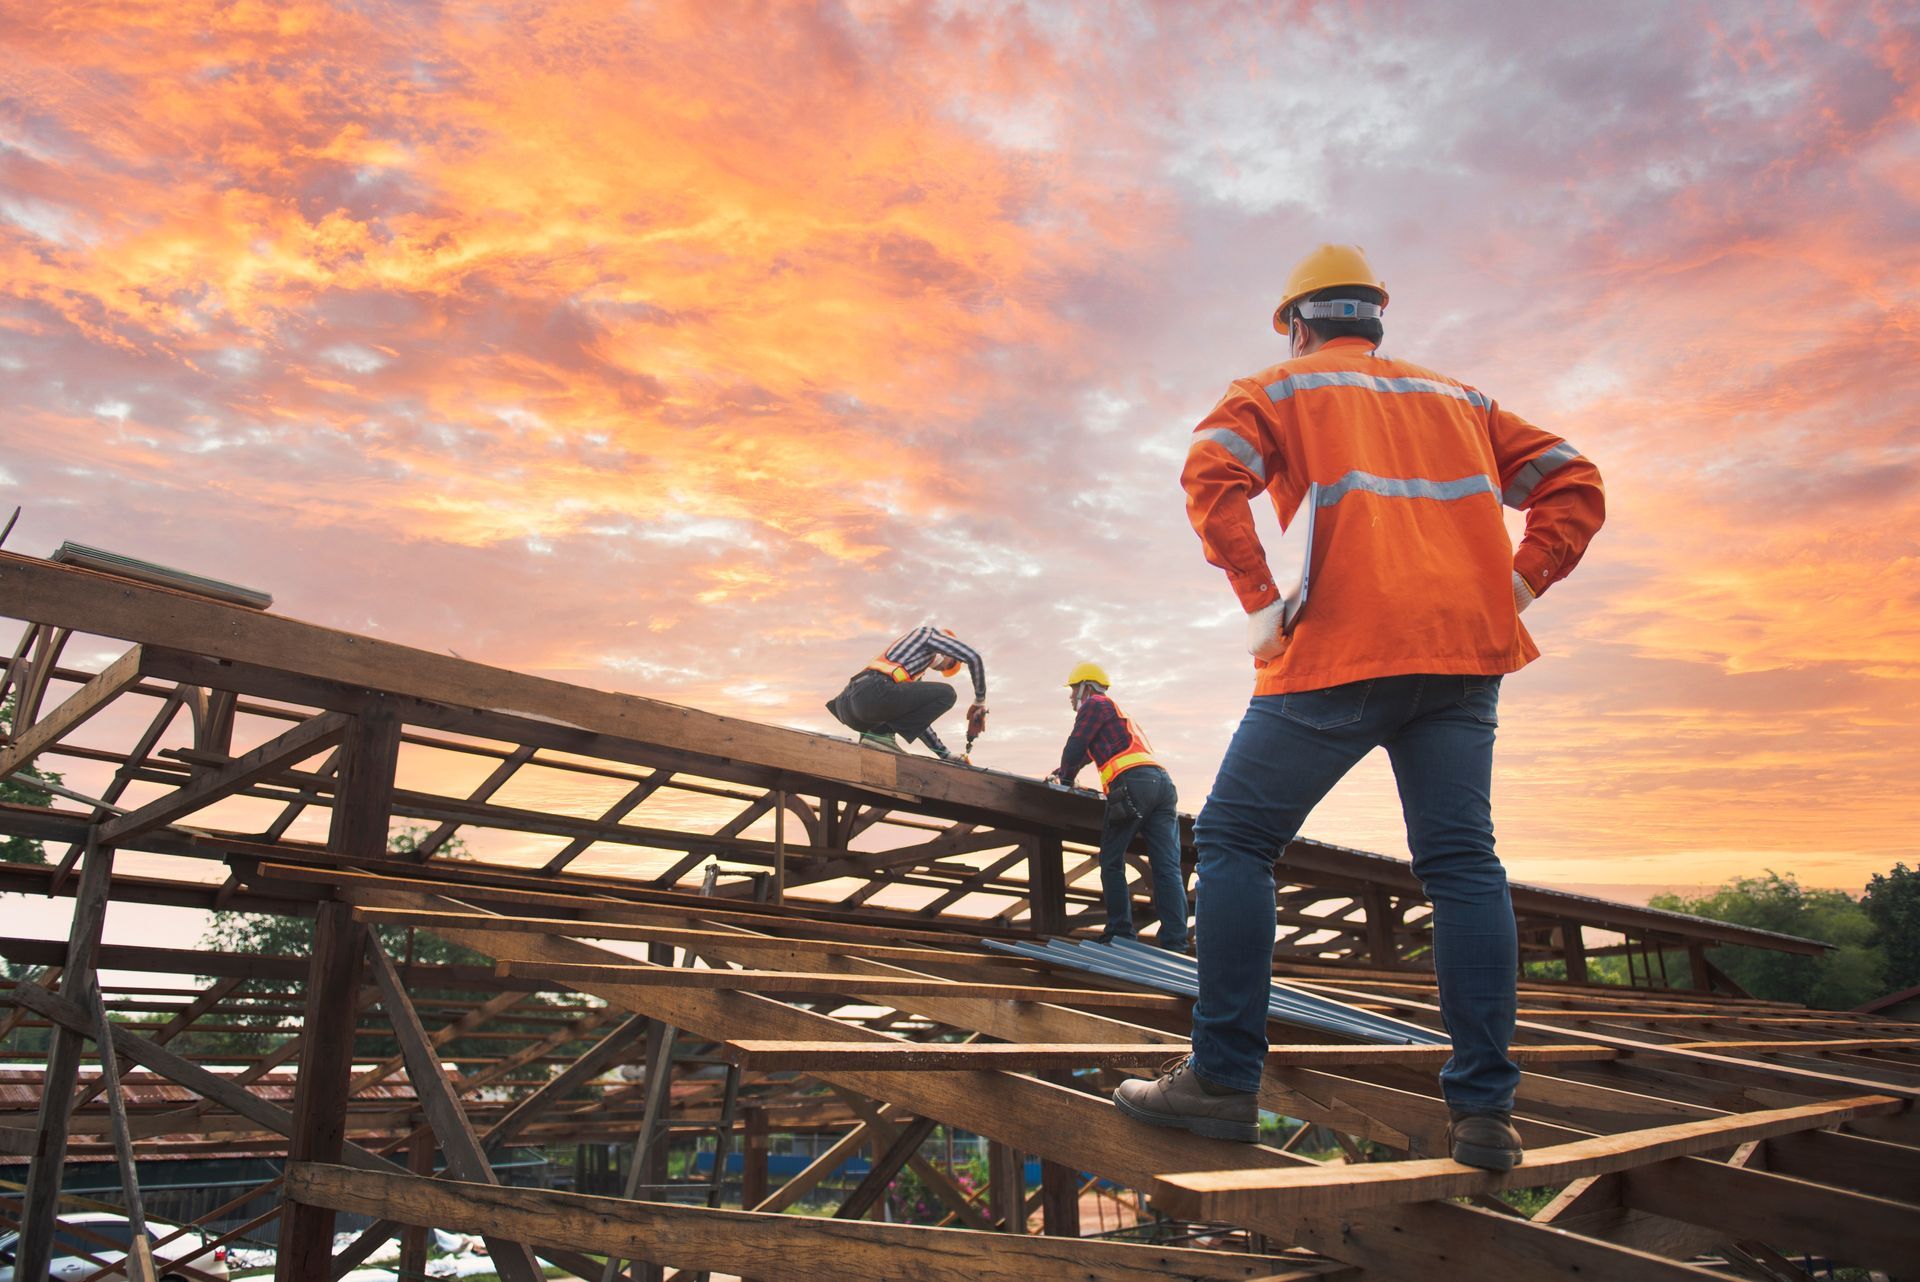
column 1181, row 1099
column 1485, row 1140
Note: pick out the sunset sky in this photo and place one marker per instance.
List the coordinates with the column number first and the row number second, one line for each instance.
column 696, row 349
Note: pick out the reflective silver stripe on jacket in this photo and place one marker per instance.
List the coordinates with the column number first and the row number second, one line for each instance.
column 1536, row 470
column 1404, row 487
column 1236, row 445
column 1292, row 383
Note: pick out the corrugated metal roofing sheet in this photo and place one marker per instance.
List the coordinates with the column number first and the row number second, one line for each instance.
column 1145, row 966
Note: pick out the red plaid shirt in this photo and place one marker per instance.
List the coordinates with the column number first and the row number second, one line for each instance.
column 1098, row 735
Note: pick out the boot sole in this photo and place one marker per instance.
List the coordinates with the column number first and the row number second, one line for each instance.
column 1487, row 1159
column 1213, row 1128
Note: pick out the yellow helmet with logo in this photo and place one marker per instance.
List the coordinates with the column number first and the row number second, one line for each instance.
column 1089, row 672
column 1326, row 267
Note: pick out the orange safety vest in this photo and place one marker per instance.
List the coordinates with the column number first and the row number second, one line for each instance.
column 1412, row 567
column 890, row 668
column 1138, row 752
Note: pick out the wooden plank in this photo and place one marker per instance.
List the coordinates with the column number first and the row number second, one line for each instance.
column 310, row 736
column 615, row 813
column 40, row 1208
column 106, row 606
column 368, row 756
column 476, row 883
column 463, row 1026
column 322, row 1087
column 684, row 937
column 881, row 1125
column 465, row 1158
column 1081, row 1130
column 431, row 843
column 181, row 1071
column 78, row 707
column 822, row 1166
column 1231, row 1194
column 141, row 1253
column 771, row 1246
column 603, row 1055
column 805, row 1057
column 1808, row 1046
column 1795, row 1215
column 867, row 1193
column 827, row 984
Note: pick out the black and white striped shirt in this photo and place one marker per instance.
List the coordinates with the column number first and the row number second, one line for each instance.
column 915, row 652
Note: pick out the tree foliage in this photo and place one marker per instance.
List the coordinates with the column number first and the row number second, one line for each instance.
column 18, row 789
column 1840, row 980
column 1893, row 904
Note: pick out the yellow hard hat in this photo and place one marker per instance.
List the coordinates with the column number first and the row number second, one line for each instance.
column 1088, row 672
column 1326, row 267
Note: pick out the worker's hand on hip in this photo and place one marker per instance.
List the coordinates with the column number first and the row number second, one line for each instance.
column 1522, row 594
column 1265, row 640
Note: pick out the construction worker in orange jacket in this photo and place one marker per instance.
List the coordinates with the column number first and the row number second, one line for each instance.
column 1411, row 616
column 1140, row 800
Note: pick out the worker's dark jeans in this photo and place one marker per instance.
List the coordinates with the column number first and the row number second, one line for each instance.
column 1142, row 800
column 1288, row 753
column 905, row 708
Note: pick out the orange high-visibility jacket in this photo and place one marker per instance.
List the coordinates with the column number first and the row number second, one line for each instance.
column 1412, row 568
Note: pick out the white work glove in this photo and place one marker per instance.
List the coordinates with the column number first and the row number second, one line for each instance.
column 1522, row 594
column 1265, row 641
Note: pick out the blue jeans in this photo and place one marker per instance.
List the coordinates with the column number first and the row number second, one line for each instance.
column 1288, row 753
column 1143, row 799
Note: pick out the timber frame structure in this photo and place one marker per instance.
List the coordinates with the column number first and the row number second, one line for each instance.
column 836, row 979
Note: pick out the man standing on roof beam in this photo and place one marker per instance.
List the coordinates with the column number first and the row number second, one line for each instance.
column 1413, row 618
column 888, row 698
column 1140, row 799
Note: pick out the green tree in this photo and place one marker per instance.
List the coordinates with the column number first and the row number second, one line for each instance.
column 1893, row 903
column 18, row 789
column 1839, row 980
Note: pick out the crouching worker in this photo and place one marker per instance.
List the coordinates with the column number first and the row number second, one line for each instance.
column 887, row 697
column 1140, row 799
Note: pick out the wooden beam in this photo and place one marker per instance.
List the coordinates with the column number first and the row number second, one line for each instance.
column 771, row 1246
column 430, row 845
column 1793, row 1214
column 34, row 1252
column 29, row 741
column 826, row 984
column 368, row 757
column 465, row 1158
column 1078, row 1129
column 610, row 1050
column 223, row 1091
column 810, row 1057
column 887, row 1162
column 310, row 736
column 322, row 1086
column 686, row 937
column 140, row 1249
column 1059, row 1187
column 1810, row 1046
column 881, row 1126
column 1006, row 1187
column 1230, row 1195
column 542, row 709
